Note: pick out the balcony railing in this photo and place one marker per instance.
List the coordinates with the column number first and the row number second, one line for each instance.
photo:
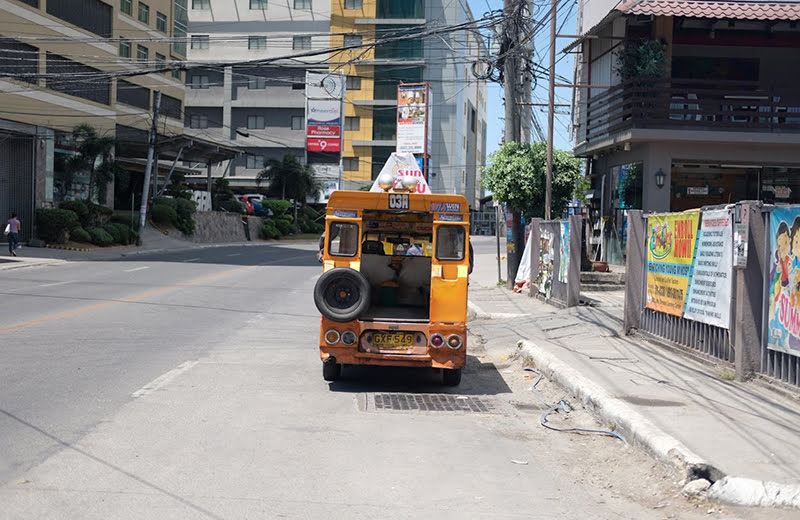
column 692, row 105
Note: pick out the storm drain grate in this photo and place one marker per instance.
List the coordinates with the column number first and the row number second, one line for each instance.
column 432, row 403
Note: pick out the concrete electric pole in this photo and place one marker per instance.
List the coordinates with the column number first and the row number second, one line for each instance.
column 149, row 167
column 516, row 50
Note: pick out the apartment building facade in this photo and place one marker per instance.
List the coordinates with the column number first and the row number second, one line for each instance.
column 68, row 62
column 253, row 96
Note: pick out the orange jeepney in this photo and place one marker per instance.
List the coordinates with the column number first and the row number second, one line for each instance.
column 394, row 284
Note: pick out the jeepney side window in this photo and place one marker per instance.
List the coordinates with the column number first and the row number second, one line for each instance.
column 343, row 239
column 450, row 242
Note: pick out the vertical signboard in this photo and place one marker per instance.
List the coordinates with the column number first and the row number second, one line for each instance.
column 783, row 331
column 324, row 111
column 709, row 297
column 670, row 252
column 412, row 118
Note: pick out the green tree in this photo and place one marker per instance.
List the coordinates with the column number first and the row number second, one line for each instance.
column 290, row 178
column 96, row 157
column 516, row 176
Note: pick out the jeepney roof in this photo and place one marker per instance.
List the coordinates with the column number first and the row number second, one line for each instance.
column 388, row 201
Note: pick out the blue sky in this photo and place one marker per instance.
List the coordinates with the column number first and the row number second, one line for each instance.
column 496, row 111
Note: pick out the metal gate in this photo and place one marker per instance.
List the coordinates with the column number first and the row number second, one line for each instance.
column 16, row 181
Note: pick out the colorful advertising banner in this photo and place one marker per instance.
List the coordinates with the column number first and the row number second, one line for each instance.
column 783, row 331
column 323, row 127
column 670, row 251
column 400, row 165
column 709, row 297
column 563, row 268
column 412, row 108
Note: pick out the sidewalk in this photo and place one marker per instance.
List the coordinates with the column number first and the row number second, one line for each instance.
column 687, row 414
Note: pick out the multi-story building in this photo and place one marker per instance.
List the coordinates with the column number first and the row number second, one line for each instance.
column 67, row 62
column 693, row 104
column 260, row 105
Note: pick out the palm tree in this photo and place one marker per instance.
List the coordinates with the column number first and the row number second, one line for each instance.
column 289, row 177
column 95, row 156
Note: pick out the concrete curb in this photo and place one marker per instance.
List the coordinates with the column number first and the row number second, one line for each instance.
column 474, row 312
column 639, row 430
column 20, row 263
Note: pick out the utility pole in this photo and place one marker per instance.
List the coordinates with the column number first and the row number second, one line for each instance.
column 149, row 166
column 550, row 112
column 517, row 90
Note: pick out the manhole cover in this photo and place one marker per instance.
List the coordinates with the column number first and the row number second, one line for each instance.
column 432, row 403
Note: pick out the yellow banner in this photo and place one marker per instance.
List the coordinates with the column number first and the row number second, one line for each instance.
column 671, row 241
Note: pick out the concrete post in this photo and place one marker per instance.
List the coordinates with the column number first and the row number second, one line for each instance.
column 534, row 255
column 635, row 265
column 574, row 272
column 750, row 297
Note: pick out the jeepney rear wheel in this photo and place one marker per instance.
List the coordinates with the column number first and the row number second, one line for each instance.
column 451, row 376
column 331, row 371
column 342, row 294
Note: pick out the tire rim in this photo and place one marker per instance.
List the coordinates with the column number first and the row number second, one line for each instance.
column 342, row 294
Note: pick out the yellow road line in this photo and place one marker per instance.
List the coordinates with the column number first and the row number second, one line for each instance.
column 106, row 305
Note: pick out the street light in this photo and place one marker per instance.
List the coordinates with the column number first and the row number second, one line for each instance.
column 660, row 178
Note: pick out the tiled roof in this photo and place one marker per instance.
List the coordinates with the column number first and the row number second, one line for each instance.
column 751, row 10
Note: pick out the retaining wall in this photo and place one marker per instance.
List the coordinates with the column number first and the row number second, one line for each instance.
column 217, row 227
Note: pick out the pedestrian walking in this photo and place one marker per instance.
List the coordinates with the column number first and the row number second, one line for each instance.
column 12, row 232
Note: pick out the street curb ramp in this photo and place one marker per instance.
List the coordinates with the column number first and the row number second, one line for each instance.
column 640, row 431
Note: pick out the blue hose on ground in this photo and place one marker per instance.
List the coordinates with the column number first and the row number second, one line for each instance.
column 567, row 409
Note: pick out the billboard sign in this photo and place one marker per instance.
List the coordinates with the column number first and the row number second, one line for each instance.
column 783, row 333
column 412, row 118
column 671, row 240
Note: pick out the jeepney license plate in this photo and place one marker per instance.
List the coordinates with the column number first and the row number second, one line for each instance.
column 393, row 340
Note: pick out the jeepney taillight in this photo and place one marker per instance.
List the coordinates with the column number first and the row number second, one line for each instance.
column 437, row 340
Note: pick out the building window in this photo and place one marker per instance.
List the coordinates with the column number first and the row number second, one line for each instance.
column 93, row 15
column 352, row 123
column 302, row 4
column 201, row 4
column 198, row 121
column 258, row 4
column 256, row 83
column 142, row 53
column 352, row 40
column 180, row 21
column 124, row 49
column 161, row 61
column 257, row 43
column 171, row 107
column 350, row 164
column 472, row 119
column 353, row 83
column 256, row 122
column 19, row 60
column 176, row 74
column 76, row 79
column 200, row 41
column 301, row 42
column 199, row 81
column 133, row 95
column 255, row 162
column 161, row 22
column 353, row 4
column 126, row 6
column 297, row 122
column 144, row 13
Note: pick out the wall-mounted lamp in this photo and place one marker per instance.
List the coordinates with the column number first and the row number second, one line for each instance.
column 660, row 178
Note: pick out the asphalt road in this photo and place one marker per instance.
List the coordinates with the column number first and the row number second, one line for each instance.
column 188, row 385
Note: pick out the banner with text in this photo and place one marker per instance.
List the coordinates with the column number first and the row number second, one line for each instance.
column 709, row 297
column 783, row 333
column 670, row 253
column 412, row 113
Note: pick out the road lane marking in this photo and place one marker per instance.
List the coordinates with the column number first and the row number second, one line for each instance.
column 235, row 254
column 191, row 260
column 137, row 269
column 105, row 305
column 163, row 379
column 57, row 283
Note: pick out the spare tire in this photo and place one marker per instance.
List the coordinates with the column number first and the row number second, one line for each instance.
column 342, row 294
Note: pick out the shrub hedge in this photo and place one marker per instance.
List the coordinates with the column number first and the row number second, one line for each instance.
column 164, row 214
column 54, row 225
column 100, row 237
column 80, row 235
